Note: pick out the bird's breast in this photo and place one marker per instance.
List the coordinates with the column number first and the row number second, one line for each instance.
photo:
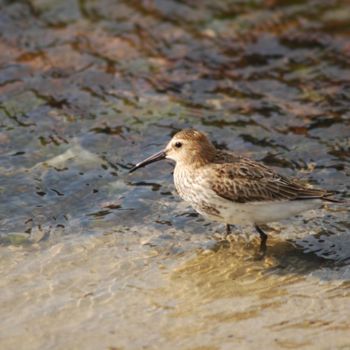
column 191, row 189
column 184, row 182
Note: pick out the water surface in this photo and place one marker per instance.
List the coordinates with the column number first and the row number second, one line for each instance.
column 92, row 257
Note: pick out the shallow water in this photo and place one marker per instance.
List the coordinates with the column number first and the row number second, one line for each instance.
column 92, row 257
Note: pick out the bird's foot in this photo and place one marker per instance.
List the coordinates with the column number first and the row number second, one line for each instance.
column 227, row 233
column 225, row 236
column 263, row 247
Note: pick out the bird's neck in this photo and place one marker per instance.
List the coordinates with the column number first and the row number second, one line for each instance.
column 197, row 158
column 195, row 162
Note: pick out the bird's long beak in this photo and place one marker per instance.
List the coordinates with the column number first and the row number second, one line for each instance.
column 158, row 156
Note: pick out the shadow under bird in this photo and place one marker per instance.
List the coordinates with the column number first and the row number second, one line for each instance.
column 232, row 189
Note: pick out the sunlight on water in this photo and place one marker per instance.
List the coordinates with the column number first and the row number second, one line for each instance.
column 114, row 286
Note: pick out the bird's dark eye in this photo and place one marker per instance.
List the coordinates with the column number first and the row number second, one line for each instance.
column 178, row 144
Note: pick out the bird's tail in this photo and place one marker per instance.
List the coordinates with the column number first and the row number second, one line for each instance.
column 314, row 193
column 328, row 197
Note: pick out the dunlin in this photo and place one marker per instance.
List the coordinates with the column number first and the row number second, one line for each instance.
column 232, row 189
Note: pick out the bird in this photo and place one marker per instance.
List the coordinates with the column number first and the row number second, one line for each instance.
column 232, row 189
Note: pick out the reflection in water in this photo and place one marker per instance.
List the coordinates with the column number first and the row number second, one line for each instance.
column 228, row 293
column 92, row 258
column 234, row 271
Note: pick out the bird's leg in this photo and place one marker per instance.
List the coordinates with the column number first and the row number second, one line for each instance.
column 228, row 231
column 263, row 239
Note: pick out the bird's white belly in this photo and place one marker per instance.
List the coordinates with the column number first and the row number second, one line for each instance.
column 259, row 212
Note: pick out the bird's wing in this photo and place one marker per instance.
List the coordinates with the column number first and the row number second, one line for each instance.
column 245, row 180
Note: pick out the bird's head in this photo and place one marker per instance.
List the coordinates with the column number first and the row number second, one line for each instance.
column 187, row 147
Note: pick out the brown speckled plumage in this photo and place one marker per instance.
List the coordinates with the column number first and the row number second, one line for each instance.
column 243, row 180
